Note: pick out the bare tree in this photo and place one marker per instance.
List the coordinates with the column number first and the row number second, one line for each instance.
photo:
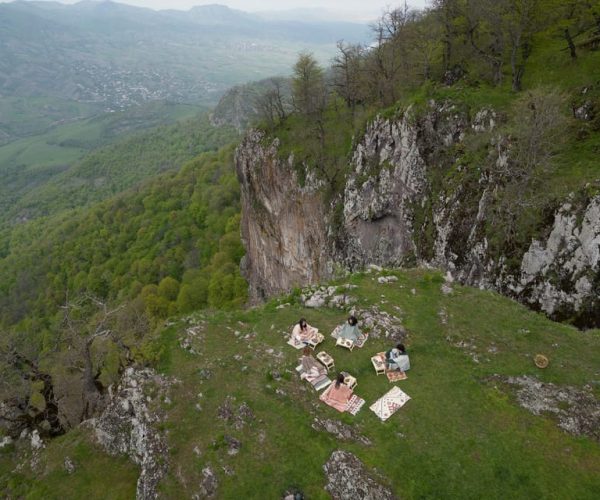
column 85, row 321
column 570, row 43
column 520, row 19
column 424, row 41
column 448, row 11
column 539, row 124
column 389, row 52
column 271, row 104
column 348, row 74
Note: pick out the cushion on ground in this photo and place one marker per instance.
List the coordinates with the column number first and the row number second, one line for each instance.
column 395, row 376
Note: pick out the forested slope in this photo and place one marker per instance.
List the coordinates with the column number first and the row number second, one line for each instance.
column 163, row 228
column 107, row 165
column 466, row 137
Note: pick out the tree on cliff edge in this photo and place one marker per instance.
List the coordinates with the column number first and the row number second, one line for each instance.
column 308, row 87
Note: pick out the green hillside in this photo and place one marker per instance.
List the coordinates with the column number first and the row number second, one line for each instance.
column 120, row 251
column 169, row 227
column 100, row 158
column 462, row 435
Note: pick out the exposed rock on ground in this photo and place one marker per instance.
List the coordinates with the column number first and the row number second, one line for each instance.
column 328, row 296
column 128, row 426
column 238, row 417
column 349, row 479
column 380, row 324
column 36, row 441
column 233, row 445
column 5, row 442
column 577, row 411
column 293, row 494
column 208, row 485
column 340, row 430
column 69, row 466
column 192, row 337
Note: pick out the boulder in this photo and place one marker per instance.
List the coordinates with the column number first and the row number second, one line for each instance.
column 349, row 479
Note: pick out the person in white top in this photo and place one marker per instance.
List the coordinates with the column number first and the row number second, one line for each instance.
column 305, row 333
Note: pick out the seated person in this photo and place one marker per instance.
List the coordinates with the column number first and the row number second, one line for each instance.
column 337, row 394
column 350, row 331
column 397, row 359
column 312, row 370
column 306, row 333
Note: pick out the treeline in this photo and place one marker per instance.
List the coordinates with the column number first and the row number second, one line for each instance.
column 483, row 41
column 489, row 41
column 477, row 54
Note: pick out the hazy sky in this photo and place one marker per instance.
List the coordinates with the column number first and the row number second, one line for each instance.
column 359, row 7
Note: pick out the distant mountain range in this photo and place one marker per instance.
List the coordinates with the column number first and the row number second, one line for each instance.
column 116, row 55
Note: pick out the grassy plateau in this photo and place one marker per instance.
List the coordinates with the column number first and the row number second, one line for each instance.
column 461, row 435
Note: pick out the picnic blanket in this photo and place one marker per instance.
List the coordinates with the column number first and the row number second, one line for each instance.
column 296, row 343
column 355, row 404
column 395, row 376
column 317, row 380
column 337, row 397
column 336, row 332
column 389, row 403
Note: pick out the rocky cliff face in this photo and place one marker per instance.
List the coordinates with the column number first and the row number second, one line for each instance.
column 284, row 225
column 400, row 207
column 387, row 175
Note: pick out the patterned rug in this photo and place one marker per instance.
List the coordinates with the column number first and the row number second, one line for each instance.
column 296, row 344
column 394, row 376
column 336, row 332
column 355, row 404
column 361, row 342
column 389, row 403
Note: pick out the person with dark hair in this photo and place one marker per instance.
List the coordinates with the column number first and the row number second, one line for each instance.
column 312, row 370
column 397, row 359
column 349, row 330
column 306, row 334
column 337, row 394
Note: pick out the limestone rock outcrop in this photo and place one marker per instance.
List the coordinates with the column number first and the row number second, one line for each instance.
column 349, row 479
column 129, row 426
column 398, row 209
column 284, row 224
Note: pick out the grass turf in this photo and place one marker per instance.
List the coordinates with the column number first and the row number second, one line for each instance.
column 459, row 436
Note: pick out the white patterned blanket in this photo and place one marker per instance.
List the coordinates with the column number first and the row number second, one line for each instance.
column 389, row 403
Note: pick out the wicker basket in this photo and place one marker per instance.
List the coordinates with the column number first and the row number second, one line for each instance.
column 540, row 361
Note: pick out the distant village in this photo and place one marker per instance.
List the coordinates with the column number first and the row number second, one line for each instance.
column 119, row 89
